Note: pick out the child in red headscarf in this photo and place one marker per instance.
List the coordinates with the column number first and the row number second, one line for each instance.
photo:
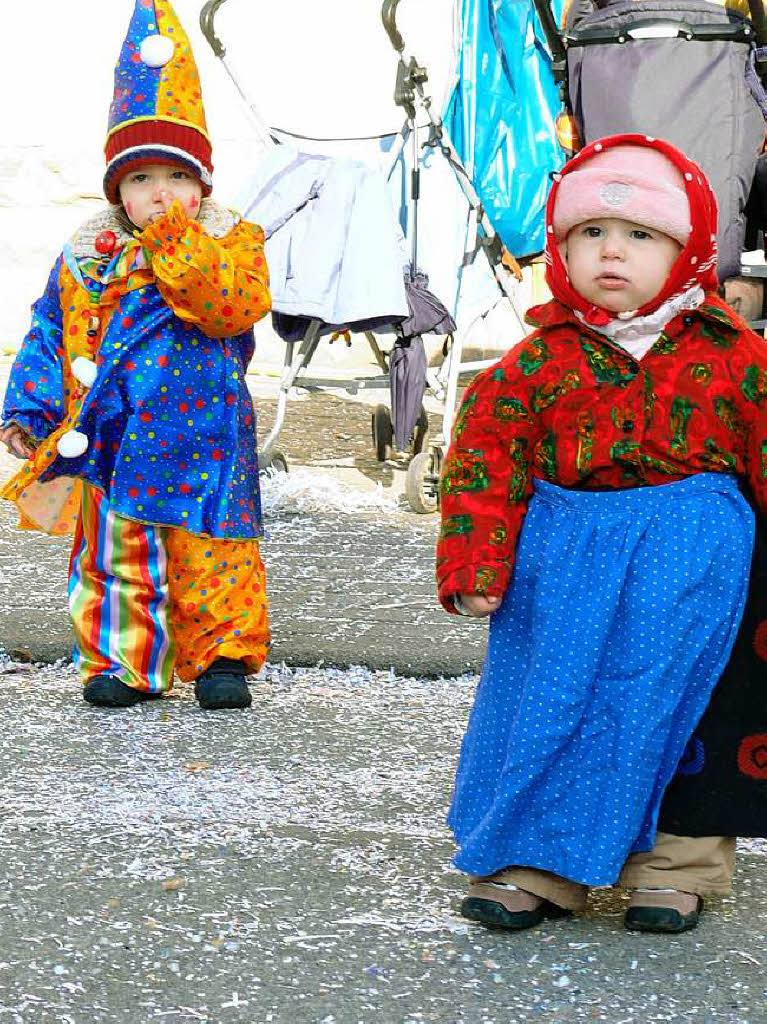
column 591, row 503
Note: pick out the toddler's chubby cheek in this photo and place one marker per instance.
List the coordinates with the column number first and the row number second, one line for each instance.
column 193, row 206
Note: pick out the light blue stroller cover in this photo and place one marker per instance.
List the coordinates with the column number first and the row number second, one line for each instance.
column 501, row 116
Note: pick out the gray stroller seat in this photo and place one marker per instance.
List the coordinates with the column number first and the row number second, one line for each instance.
column 688, row 86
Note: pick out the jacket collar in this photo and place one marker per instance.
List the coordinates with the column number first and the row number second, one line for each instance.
column 557, row 314
column 215, row 219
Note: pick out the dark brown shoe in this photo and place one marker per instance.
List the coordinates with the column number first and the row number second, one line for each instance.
column 223, row 685
column 498, row 907
column 663, row 911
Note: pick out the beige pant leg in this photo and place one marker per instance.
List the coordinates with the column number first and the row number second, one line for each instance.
column 562, row 891
column 700, row 864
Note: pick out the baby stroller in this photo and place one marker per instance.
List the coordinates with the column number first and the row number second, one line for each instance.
column 683, row 70
column 403, row 307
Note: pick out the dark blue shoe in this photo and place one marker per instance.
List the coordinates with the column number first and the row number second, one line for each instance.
column 223, row 685
column 111, row 692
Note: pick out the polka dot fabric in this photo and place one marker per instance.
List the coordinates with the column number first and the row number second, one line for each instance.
column 696, row 264
column 218, row 602
column 620, row 618
column 145, row 600
column 137, row 85
column 170, row 423
column 179, row 95
column 157, row 111
column 221, row 292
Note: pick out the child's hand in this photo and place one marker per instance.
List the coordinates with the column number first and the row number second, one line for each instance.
column 17, row 441
column 478, row 605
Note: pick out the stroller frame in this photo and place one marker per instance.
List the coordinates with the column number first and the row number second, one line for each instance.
column 422, row 479
column 592, row 105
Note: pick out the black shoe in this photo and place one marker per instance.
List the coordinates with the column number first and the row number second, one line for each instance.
column 223, row 685
column 111, row 692
column 495, row 915
column 661, row 919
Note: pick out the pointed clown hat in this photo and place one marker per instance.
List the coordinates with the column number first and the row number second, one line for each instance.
column 156, row 114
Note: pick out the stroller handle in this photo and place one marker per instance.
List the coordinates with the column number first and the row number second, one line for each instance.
column 389, row 19
column 553, row 39
column 207, row 17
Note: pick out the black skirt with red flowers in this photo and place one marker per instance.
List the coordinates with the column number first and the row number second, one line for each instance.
column 720, row 788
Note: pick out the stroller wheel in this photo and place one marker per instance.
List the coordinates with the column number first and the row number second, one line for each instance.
column 382, row 432
column 422, row 482
column 420, row 431
column 271, row 465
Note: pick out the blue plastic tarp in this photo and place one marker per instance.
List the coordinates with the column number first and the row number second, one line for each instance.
column 501, row 116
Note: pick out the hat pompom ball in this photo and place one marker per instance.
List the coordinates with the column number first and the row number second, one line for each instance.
column 156, row 51
column 72, row 445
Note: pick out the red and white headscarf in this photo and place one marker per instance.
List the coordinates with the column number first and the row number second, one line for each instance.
column 661, row 189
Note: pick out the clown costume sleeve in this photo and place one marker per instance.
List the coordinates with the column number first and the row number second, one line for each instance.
column 35, row 398
column 220, row 285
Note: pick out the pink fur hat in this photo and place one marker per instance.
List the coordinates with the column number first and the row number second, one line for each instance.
column 635, row 183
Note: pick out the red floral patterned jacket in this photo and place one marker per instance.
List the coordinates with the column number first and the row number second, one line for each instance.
column 570, row 407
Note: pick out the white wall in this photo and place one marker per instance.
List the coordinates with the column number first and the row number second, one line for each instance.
column 316, row 67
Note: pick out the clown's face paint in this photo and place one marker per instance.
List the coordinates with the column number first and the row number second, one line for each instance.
column 147, row 191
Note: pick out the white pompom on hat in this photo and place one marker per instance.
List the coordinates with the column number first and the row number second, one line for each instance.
column 634, row 183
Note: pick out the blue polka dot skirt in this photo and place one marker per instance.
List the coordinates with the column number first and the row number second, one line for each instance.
column 619, row 620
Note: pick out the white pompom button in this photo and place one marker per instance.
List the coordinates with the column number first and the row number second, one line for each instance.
column 84, row 370
column 72, row 445
column 156, row 51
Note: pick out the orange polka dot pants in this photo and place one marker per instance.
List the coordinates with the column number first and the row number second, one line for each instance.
column 218, row 606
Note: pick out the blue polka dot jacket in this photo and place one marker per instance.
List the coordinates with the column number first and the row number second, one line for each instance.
column 162, row 321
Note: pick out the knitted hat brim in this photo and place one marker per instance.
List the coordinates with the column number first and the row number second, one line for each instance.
column 131, row 159
column 629, row 182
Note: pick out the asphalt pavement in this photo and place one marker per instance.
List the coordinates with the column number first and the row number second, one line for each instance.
column 291, row 863
column 350, row 569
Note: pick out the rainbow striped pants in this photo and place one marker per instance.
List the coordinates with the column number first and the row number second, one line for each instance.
column 146, row 601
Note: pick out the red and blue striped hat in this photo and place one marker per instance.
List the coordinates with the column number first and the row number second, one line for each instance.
column 157, row 114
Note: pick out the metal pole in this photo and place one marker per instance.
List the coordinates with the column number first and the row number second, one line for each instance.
column 759, row 21
column 553, row 39
column 415, row 193
column 207, row 19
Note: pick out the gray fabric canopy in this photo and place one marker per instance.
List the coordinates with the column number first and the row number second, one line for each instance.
column 692, row 93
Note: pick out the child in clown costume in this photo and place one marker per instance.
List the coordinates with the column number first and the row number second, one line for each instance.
column 129, row 404
column 591, row 505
